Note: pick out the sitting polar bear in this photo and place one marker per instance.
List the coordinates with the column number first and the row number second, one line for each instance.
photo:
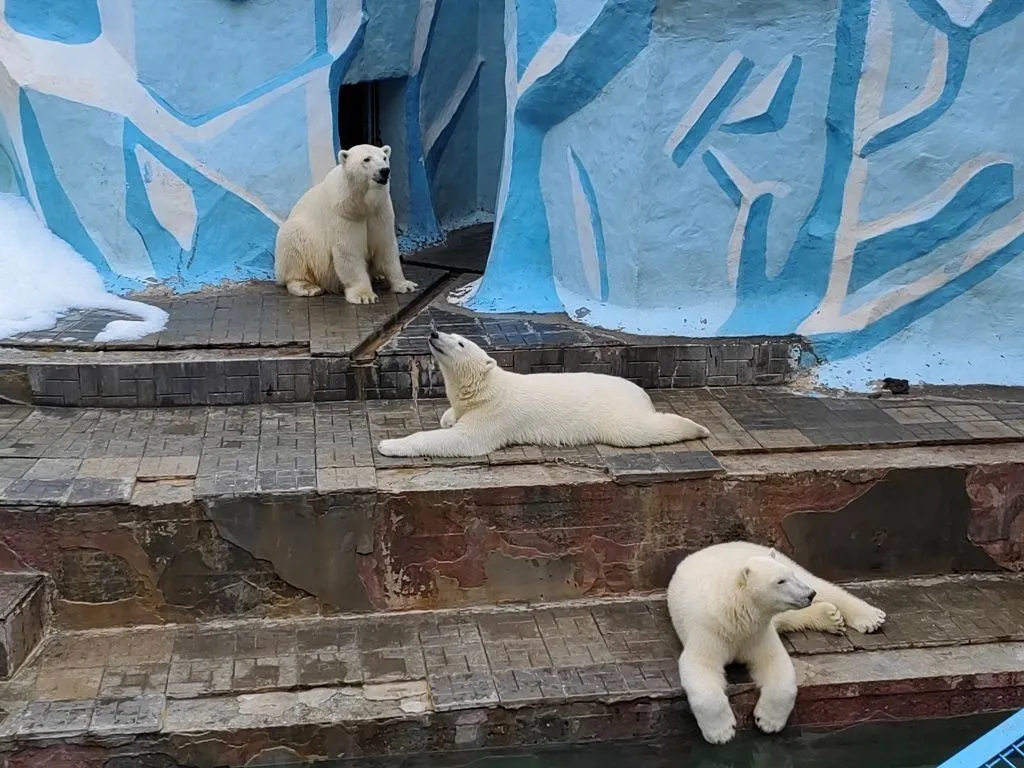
column 493, row 408
column 728, row 603
column 340, row 229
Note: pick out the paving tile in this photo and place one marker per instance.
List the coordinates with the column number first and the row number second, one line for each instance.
column 109, row 468
column 99, row 491
column 67, row 684
column 133, row 680
column 53, row 469
column 168, row 467
column 335, row 479
column 124, row 716
column 52, row 719
column 26, row 491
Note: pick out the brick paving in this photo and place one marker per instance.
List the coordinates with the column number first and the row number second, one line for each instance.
column 249, row 315
column 134, row 679
column 108, row 456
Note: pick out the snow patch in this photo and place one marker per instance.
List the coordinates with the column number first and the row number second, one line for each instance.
column 44, row 277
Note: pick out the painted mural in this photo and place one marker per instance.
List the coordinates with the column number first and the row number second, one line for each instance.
column 166, row 141
column 844, row 170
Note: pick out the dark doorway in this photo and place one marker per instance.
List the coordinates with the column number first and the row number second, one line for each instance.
column 359, row 114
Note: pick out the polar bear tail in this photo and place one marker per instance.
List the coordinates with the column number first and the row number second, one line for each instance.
column 663, row 428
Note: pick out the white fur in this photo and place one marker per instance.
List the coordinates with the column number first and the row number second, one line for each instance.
column 728, row 603
column 341, row 229
column 493, row 408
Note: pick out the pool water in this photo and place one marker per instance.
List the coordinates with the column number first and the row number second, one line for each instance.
column 918, row 744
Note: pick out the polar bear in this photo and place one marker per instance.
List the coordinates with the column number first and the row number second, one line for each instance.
column 340, row 229
column 492, row 408
column 728, row 603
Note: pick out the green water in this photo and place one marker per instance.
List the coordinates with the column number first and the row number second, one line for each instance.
column 920, row 744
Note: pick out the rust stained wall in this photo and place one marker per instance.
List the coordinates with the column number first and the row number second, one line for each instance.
column 278, row 556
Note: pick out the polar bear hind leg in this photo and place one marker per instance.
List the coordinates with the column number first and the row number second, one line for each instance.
column 654, row 428
column 295, row 254
column 454, row 442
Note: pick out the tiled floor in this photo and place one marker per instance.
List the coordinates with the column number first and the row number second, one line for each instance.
column 467, row 659
column 251, row 315
column 94, row 456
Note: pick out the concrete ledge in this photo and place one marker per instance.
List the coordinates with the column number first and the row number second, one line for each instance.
column 23, row 614
column 236, row 693
column 255, row 344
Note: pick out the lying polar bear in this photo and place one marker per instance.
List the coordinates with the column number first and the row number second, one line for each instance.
column 493, row 408
column 728, row 603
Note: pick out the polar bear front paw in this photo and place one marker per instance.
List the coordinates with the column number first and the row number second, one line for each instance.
column 719, row 732
column 866, row 620
column 769, row 721
column 396, row 447
column 360, row 296
column 830, row 618
column 404, row 286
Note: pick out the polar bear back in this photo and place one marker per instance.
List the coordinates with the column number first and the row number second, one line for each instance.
column 568, row 408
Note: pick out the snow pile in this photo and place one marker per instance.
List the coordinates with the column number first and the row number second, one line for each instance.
column 42, row 277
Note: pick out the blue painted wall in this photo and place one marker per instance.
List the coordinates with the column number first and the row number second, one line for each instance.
column 848, row 170
column 167, row 141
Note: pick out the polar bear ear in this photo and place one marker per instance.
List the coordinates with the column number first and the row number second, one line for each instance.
column 744, row 576
column 773, row 554
column 342, row 156
column 490, row 364
column 386, row 149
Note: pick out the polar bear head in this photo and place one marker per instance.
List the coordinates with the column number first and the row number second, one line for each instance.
column 367, row 163
column 772, row 585
column 466, row 368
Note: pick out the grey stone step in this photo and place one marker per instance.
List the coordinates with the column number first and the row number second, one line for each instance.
column 23, row 612
column 255, row 344
column 283, row 692
column 188, row 514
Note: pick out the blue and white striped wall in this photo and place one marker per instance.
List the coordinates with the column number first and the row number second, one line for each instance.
column 166, row 141
column 847, row 170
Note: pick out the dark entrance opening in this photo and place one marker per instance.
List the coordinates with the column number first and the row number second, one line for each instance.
column 359, row 114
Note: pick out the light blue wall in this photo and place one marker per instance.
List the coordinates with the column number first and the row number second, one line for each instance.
column 848, row 170
column 167, row 140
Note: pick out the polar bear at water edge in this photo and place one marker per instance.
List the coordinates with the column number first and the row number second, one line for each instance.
column 728, row 603
column 492, row 408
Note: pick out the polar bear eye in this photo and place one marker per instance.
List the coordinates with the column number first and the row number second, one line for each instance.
column 461, row 344
column 366, row 159
column 781, row 581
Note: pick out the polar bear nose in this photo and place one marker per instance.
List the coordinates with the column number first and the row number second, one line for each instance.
column 812, row 595
column 434, row 336
column 385, row 173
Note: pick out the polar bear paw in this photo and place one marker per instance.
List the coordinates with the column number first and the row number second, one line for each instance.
column 448, row 419
column 360, row 296
column 397, row 447
column 303, row 288
column 831, row 619
column 866, row 619
column 719, row 732
column 404, row 286
column 770, row 718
